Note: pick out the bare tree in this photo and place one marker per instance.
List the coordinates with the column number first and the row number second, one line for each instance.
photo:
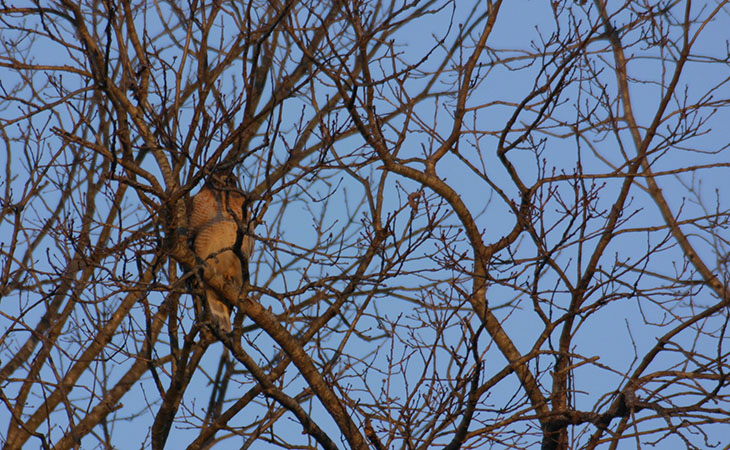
column 487, row 225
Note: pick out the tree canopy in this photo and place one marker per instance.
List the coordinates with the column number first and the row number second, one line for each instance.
column 477, row 224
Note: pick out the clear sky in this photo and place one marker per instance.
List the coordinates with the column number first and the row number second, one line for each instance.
column 520, row 25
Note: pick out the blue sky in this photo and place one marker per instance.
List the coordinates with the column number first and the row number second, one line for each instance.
column 521, row 24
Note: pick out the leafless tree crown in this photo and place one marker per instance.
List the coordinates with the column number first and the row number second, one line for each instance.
column 477, row 224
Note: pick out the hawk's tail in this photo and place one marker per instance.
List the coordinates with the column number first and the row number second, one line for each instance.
column 220, row 312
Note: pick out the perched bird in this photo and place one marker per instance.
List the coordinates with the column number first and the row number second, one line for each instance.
column 221, row 238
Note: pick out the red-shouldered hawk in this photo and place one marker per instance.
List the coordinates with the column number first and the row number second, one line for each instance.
column 217, row 222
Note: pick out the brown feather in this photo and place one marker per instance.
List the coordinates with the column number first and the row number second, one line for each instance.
column 215, row 220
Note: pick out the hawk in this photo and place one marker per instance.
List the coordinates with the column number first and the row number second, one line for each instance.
column 221, row 238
